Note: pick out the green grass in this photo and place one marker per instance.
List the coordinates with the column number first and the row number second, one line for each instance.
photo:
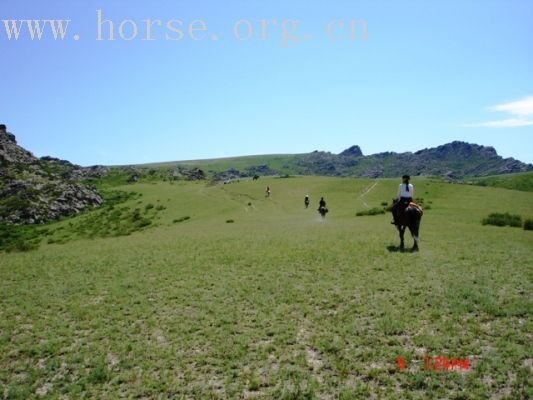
column 279, row 304
column 519, row 181
column 371, row 211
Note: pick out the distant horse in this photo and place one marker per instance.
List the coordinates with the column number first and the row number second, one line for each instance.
column 323, row 211
column 407, row 217
column 256, row 177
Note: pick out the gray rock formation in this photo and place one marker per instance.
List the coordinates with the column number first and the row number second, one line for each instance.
column 35, row 191
column 354, row 151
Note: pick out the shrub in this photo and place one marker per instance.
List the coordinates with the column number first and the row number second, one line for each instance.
column 20, row 237
column 372, row 211
column 229, row 221
column 384, row 203
column 499, row 219
column 114, row 197
column 136, row 215
column 528, row 224
column 181, row 219
column 143, row 222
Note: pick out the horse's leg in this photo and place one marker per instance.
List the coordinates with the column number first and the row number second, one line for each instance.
column 402, row 231
column 415, row 237
column 414, row 228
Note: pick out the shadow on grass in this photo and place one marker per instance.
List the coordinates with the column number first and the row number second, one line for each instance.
column 398, row 249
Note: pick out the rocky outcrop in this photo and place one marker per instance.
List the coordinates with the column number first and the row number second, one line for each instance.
column 35, row 191
column 354, row 151
column 262, row 170
column 454, row 160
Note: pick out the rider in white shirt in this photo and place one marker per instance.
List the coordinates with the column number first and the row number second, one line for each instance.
column 406, row 190
column 406, row 193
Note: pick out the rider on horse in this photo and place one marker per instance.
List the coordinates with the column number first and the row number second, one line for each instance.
column 406, row 192
column 322, row 209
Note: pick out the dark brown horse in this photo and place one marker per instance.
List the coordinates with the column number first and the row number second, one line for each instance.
column 407, row 217
column 322, row 210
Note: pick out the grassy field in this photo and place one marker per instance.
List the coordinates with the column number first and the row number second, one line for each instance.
column 276, row 304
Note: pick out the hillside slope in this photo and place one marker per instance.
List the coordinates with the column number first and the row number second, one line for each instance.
column 519, row 181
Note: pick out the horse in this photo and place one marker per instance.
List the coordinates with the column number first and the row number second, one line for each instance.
column 407, row 217
column 323, row 211
column 255, row 177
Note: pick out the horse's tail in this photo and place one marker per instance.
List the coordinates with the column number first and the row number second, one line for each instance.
column 416, row 223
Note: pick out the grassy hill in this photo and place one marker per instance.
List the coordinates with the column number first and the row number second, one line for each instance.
column 276, row 304
column 519, row 181
column 275, row 161
column 455, row 160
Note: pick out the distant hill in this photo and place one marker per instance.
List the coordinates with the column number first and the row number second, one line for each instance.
column 454, row 161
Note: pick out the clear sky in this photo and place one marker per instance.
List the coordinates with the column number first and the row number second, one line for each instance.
column 429, row 72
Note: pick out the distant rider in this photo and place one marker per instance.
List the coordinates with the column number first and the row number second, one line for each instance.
column 406, row 193
column 306, row 201
column 322, row 203
column 268, row 191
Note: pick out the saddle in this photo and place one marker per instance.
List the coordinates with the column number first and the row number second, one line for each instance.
column 413, row 206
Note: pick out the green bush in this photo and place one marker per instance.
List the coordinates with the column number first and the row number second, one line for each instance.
column 505, row 219
column 136, row 215
column 372, row 211
column 181, row 219
column 20, row 237
column 143, row 222
column 114, row 197
column 528, row 224
column 229, row 221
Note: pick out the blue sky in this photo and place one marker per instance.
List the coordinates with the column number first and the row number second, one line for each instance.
column 429, row 72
